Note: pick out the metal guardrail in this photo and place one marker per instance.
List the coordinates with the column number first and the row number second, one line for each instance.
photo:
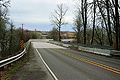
column 103, row 52
column 13, row 58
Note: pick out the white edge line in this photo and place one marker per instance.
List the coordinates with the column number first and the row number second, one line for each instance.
column 47, row 66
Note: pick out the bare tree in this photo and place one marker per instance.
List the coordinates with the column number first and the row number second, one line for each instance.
column 84, row 17
column 117, row 25
column 105, row 17
column 103, row 6
column 78, row 24
column 94, row 12
column 108, row 21
column 58, row 17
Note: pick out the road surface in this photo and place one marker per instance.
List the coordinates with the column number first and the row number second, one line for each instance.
column 68, row 64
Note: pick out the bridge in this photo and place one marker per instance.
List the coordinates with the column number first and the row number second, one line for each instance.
column 48, row 61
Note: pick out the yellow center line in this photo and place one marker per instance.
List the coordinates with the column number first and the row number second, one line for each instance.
column 103, row 66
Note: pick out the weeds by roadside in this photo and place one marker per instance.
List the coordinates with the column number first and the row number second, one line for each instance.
column 9, row 70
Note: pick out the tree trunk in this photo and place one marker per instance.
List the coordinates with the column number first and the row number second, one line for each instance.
column 85, row 21
column 93, row 22
column 102, row 14
column 59, row 39
column 117, row 26
column 78, row 35
column 109, row 26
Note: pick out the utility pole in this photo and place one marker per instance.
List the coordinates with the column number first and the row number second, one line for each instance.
column 22, row 32
column 22, row 41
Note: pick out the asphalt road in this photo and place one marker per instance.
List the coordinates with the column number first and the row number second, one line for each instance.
column 68, row 64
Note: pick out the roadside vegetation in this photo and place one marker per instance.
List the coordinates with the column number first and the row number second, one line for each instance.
column 10, row 70
column 96, row 22
column 10, row 36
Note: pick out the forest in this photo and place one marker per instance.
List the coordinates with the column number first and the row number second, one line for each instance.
column 97, row 22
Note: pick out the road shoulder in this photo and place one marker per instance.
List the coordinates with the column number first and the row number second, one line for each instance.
column 34, row 69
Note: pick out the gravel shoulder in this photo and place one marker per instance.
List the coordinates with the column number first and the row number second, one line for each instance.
column 34, row 69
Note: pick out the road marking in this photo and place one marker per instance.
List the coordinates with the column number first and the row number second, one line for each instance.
column 51, row 72
column 103, row 66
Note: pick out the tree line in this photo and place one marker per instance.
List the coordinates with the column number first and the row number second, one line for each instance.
column 10, row 36
column 97, row 22
column 101, row 17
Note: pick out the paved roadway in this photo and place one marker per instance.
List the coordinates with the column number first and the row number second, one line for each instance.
column 68, row 64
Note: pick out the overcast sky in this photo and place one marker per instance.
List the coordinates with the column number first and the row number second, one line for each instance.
column 34, row 12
